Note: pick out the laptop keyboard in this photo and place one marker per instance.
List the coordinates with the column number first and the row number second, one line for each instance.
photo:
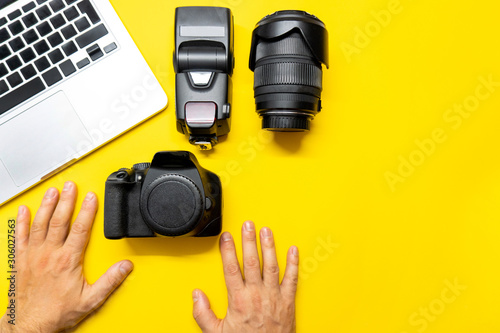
column 37, row 42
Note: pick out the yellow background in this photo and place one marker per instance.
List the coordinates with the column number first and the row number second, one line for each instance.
column 394, row 250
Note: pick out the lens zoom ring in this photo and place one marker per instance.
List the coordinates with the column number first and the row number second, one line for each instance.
column 288, row 73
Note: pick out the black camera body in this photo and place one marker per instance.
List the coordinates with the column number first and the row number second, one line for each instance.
column 172, row 196
column 204, row 63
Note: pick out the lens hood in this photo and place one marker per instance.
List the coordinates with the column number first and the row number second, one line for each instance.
column 276, row 25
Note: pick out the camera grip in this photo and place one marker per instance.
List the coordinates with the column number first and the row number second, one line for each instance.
column 115, row 200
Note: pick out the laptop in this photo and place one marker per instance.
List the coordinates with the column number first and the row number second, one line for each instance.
column 71, row 79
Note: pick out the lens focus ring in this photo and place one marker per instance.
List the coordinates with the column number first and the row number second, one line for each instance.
column 288, row 73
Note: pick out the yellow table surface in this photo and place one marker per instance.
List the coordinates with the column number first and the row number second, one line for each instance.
column 386, row 220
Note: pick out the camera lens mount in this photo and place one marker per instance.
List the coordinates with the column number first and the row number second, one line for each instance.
column 172, row 205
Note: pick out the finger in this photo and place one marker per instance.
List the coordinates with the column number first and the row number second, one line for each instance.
column 232, row 272
column 291, row 278
column 42, row 217
column 23, row 227
column 107, row 283
column 60, row 221
column 251, row 262
column 270, row 268
column 203, row 314
column 78, row 237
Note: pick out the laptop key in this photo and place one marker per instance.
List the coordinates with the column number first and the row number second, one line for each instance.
column 14, row 80
column 43, row 12
column 41, row 47
column 16, row 28
column 71, row 13
column 82, row 63
column 30, row 36
column 29, row 6
column 16, row 44
column 87, row 8
column 110, row 47
column 14, row 63
column 56, row 56
column 3, row 70
column 4, row 52
column 28, row 55
column 4, row 35
column 3, row 87
column 56, row 5
column 44, row 29
column 52, row 76
column 95, row 52
column 15, row 14
column 42, row 64
column 28, row 72
column 68, row 32
column 41, row 1
column 3, row 21
column 21, row 94
column 91, row 36
column 30, row 20
column 69, row 2
column 69, row 48
column 67, row 68
column 82, row 24
column 58, row 21
column 55, row 39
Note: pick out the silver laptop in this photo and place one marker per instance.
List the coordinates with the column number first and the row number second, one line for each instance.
column 71, row 79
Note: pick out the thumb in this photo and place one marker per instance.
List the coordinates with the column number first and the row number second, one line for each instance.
column 204, row 316
column 108, row 282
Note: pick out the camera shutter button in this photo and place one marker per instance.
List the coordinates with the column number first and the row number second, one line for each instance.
column 122, row 174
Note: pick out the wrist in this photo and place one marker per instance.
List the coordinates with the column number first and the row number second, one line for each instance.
column 5, row 327
column 8, row 327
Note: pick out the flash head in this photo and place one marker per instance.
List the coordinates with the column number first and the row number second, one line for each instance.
column 203, row 62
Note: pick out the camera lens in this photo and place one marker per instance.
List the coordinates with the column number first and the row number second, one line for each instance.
column 288, row 48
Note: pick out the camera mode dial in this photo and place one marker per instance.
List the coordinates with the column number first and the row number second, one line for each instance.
column 141, row 166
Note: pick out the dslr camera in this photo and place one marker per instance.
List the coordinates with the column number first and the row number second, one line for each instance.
column 171, row 196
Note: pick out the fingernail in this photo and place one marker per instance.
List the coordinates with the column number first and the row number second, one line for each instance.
column 67, row 186
column 267, row 233
column 295, row 251
column 249, row 226
column 51, row 193
column 90, row 196
column 196, row 295
column 21, row 210
column 226, row 237
column 126, row 267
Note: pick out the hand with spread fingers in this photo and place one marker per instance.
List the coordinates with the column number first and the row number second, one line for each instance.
column 257, row 303
column 52, row 293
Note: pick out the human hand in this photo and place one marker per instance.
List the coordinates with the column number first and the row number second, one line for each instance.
column 51, row 292
column 257, row 303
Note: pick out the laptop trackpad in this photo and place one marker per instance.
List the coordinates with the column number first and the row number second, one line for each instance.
column 41, row 139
